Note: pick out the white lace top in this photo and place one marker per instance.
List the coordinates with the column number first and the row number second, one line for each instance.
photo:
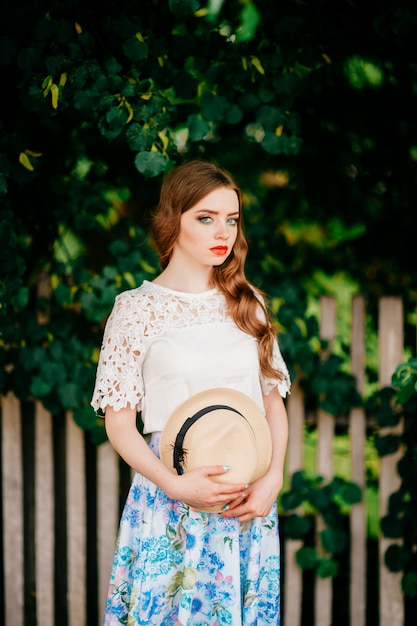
column 162, row 346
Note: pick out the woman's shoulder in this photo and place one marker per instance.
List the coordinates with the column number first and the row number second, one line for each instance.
column 135, row 302
column 141, row 292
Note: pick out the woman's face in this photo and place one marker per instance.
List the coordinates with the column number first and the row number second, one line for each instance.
column 208, row 230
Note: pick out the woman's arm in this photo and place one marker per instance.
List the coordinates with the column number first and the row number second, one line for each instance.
column 195, row 488
column 258, row 499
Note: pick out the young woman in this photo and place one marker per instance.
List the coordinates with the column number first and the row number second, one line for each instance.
column 199, row 325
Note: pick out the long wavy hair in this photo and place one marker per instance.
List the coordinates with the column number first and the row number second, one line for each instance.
column 182, row 188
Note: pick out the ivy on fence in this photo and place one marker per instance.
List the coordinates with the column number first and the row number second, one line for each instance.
column 394, row 406
column 331, row 501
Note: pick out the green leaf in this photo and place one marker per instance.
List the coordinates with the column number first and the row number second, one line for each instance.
column 270, row 117
column 31, row 358
column 299, row 481
column 57, row 351
column 112, row 125
column 396, row 557
column 112, row 65
column 273, row 144
column 116, row 118
column 327, row 568
column 409, row 584
column 150, row 164
column 21, row 299
column 62, row 293
column 140, row 139
column 320, row 498
column 296, row 526
column 135, row 50
column 86, row 100
column 69, row 395
column 333, row 540
column 214, row 107
column 248, row 101
column 249, row 18
column 351, row 493
column 392, row 526
column 110, row 273
column 54, row 373
column 406, row 392
column 405, row 373
column 292, row 145
column 40, row 387
column 86, row 419
column 181, row 8
column 198, row 127
column 233, row 114
column 386, row 416
column 387, row 444
column 306, row 557
column 291, row 500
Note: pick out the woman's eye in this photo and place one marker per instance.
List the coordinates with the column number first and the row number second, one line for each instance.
column 207, row 219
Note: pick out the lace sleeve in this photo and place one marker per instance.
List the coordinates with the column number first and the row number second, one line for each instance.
column 284, row 384
column 119, row 380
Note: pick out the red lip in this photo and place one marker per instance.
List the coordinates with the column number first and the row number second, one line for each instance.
column 220, row 250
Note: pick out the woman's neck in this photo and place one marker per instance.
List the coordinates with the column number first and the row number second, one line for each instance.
column 188, row 281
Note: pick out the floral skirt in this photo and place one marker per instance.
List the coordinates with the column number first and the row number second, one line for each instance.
column 174, row 565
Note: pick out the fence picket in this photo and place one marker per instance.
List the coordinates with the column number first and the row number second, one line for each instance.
column 99, row 475
column 107, row 517
column 357, row 422
column 12, row 486
column 391, row 343
column 44, row 516
column 76, row 512
column 325, row 424
column 293, row 574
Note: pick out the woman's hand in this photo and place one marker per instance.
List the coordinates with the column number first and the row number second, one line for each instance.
column 261, row 495
column 198, row 489
column 255, row 501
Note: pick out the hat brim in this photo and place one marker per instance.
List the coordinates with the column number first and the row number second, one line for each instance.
column 233, row 432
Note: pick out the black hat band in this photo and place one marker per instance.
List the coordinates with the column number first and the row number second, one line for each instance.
column 178, row 452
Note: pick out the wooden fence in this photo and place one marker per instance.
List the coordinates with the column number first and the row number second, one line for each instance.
column 62, row 499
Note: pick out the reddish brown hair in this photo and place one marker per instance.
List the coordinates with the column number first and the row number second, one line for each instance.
column 182, row 188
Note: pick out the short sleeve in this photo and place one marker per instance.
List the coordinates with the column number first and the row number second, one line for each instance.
column 119, row 381
column 278, row 363
column 284, row 384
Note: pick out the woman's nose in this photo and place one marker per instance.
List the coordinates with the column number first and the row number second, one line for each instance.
column 222, row 231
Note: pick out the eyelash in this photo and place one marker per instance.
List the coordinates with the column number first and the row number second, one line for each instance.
column 203, row 219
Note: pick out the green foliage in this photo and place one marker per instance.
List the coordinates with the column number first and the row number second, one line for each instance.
column 110, row 72
column 335, row 388
column 100, row 104
column 52, row 356
column 331, row 500
column 394, row 406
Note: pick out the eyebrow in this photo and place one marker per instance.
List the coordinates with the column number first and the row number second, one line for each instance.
column 211, row 212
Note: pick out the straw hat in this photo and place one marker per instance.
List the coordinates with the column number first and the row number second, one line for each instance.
column 218, row 427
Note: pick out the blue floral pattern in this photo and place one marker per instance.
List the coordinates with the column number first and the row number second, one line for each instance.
column 176, row 566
